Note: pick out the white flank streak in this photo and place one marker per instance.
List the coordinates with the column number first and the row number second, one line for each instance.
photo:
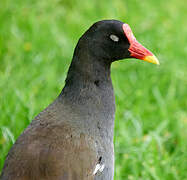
column 102, row 168
column 98, row 167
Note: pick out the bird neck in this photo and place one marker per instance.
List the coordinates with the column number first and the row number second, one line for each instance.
column 86, row 67
column 87, row 72
column 89, row 92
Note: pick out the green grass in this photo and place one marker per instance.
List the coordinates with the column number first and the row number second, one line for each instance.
column 36, row 46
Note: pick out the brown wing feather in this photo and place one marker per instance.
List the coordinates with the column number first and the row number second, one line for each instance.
column 51, row 152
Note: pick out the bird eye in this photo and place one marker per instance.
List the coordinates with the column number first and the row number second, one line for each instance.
column 114, row 38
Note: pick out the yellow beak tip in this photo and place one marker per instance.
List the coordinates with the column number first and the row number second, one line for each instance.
column 151, row 59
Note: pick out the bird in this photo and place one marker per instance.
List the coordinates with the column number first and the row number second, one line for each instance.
column 72, row 139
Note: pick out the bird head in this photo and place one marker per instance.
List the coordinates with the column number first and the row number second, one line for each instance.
column 114, row 40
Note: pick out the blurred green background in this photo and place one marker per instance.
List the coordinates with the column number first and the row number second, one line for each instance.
column 37, row 38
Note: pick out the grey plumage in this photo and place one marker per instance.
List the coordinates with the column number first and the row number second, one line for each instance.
column 72, row 139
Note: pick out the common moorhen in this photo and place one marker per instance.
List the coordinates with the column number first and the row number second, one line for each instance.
column 72, row 139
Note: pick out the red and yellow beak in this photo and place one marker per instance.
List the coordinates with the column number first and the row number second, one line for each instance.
column 136, row 49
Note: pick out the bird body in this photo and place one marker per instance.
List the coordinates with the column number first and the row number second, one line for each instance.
column 72, row 139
